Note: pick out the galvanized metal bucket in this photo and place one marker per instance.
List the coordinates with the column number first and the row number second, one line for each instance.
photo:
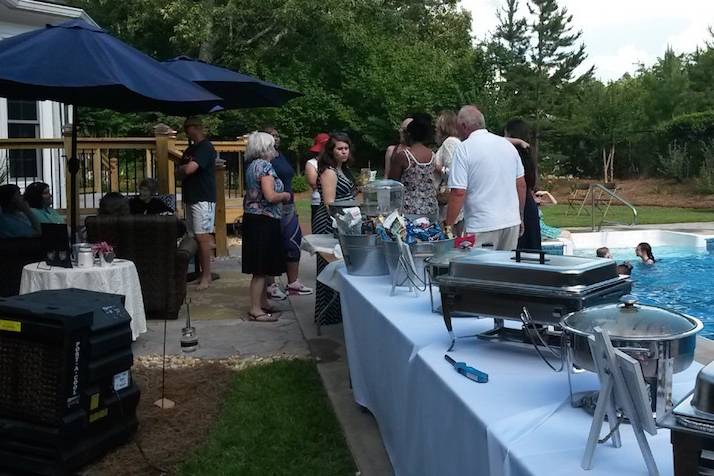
column 364, row 255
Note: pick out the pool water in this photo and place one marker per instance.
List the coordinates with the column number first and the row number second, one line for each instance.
column 682, row 279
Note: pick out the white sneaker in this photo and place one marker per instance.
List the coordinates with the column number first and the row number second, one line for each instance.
column 297, row 288
column 274, row 292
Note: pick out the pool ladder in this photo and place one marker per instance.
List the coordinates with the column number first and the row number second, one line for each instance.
column 613, row 196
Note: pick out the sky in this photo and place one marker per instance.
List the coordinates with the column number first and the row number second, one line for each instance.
column 619, row 34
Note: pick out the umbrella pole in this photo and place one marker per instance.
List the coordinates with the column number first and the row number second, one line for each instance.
column 73, row 166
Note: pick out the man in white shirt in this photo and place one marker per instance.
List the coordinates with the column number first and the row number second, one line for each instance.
column 486, row 179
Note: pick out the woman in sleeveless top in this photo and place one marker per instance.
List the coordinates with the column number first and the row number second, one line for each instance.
column 414, row 167
column 392, row 150
column 334, row 184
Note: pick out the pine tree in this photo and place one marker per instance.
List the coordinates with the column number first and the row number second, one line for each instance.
column 554, row 56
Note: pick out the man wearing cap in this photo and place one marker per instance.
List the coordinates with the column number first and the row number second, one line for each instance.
column 198, row 175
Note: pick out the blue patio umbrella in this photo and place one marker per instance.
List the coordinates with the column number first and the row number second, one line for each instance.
column 81, row 64
column 237, row 90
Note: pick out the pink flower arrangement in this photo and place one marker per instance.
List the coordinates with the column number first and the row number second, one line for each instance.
column 102, row 247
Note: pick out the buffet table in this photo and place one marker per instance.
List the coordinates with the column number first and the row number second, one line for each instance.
column 434, row 421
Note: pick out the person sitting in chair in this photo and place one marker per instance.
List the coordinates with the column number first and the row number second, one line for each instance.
column 113, row 204
column 39, row 197
column 16, row 219
column 147, row 202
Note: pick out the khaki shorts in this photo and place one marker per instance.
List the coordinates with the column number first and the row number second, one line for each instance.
column 200, row 217
column 503, row 239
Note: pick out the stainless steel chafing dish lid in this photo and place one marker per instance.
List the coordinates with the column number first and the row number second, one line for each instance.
column 443, row 260
column 631, row 320
column 554, row 271
column 703, row 398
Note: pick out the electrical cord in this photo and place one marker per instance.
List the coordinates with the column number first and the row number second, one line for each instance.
column 527, row 323
column 149, row 463
column 620, row 419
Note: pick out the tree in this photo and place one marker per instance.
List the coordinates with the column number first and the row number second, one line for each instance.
column 361, row 65
column 555, row 57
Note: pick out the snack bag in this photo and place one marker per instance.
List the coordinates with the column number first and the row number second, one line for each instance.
column 466, row 241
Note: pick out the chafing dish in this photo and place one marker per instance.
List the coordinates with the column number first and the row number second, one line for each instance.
column 500, row 284
column 663, row 342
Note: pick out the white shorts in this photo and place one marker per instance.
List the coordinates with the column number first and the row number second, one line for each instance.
column 200, row 217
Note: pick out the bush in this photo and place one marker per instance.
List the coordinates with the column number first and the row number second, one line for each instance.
column 693, row 131
column 676, row 163
column 300, row 184
column 705, row 180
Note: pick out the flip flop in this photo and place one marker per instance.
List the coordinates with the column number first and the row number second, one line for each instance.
column 266, row 317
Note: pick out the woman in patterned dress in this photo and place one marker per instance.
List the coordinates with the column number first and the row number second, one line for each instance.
column 414, row 167
column 335, row 184
column 262, row 249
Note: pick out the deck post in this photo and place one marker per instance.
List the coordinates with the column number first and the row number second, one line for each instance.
column 113, row 174
column 165, row 138
column 220, row 225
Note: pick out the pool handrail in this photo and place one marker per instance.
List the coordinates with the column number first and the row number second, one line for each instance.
column 609, row 192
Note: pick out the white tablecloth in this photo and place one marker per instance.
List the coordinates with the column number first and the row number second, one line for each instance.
column 435, row 422
column 319, row 243
column 120, row 277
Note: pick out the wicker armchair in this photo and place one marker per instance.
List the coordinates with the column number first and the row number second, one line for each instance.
column 15, row 253
column 150, row 242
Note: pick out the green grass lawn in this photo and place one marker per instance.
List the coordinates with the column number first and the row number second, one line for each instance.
column 556, row 216
column 277, row 420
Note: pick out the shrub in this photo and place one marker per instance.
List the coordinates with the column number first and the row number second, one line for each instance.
column 675, row 164
column 693, row 131
column 300, row 184
column 705, row 180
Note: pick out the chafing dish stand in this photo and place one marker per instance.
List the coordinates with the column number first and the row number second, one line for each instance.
column 622, row 387
column 692, row 428
column 499, row 284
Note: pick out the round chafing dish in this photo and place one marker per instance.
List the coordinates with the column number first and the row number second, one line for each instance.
column 663, row 341
column 643, row 332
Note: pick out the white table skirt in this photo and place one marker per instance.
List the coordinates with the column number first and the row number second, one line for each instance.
column 319, row 244
column 118, row 278
column 435, row 422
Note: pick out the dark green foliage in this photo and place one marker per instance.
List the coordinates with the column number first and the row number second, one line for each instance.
column 300, row 184
column 694, row 130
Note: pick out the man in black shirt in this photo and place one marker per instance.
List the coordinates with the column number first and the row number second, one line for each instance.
column 198, row 174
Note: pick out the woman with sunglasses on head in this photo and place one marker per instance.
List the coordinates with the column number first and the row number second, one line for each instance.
column 414, row 167
column 335, row 183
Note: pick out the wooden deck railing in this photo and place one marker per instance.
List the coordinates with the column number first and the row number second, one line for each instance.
column 118, row 164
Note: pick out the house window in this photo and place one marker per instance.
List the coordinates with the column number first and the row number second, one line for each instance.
column 23, row 123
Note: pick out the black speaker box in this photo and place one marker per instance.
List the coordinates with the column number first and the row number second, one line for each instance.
column 66, row 389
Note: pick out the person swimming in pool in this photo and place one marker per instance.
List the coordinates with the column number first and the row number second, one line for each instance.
column 644, row 252
column 624, row 268
column 603, row 252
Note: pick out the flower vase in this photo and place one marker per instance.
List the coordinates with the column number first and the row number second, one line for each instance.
column 106, row 259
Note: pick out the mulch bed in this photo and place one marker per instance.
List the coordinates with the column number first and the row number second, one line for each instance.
column 167, row 436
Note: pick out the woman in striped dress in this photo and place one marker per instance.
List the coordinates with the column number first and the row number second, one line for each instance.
column 334, row 184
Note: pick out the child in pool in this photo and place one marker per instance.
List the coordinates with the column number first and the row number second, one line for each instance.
column 644, row 252
column 624, row 268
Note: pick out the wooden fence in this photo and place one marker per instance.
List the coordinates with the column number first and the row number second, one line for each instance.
column 110, row 164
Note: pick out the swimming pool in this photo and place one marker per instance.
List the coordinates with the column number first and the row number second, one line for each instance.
column 682, row 279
